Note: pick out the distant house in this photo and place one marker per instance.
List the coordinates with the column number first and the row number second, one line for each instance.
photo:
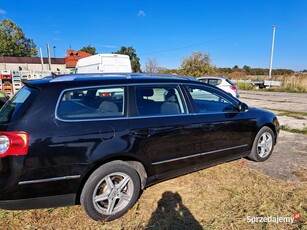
column 32, row 64
column 72, row 56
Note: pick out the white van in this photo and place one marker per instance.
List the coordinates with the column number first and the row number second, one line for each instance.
column 104, row 63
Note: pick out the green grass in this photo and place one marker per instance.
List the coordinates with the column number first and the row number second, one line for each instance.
column 292, row 114
column 245, row 86
column 288, row 112
column 289, row 129
column 287, row 89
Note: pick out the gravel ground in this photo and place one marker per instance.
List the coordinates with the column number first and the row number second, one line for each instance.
column 276, row 100
column 289, row 159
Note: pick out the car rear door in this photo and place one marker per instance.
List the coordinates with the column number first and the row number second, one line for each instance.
column 162, row 128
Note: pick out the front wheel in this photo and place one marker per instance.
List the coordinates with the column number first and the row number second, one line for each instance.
column 263, row 145
column 110, row 191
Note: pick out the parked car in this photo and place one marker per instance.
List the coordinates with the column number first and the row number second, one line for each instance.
column 62, row 142
column 222, row 83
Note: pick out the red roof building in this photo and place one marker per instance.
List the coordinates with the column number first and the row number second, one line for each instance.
column 72, row 56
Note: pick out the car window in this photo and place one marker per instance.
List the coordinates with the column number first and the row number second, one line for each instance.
column 214, row 81
column 155, row 100
column 207, row 102
column 204, row 80
column 17, row 106
column 91, row 103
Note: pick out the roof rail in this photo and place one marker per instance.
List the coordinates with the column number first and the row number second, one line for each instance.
column 129, row 75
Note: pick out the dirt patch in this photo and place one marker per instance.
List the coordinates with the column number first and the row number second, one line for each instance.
column 289, row 158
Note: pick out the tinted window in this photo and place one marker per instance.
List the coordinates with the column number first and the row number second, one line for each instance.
column 91, row 103
column 15, row 108
column 206, row 101
column 155, row 100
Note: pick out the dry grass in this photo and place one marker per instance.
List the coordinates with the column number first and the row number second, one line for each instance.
column 217, row 198
column 245, row 86
column 297, row 84
column 293, row 84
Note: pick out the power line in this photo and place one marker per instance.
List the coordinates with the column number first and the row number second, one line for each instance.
column 186, row 46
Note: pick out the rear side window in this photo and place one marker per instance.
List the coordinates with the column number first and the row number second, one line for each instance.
column 15, row 108
column 94, row 103
column 159, row 100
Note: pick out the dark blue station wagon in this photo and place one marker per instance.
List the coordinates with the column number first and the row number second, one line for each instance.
column 99, row 140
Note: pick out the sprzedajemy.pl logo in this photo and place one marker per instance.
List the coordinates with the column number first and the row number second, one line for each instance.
column 273, row 219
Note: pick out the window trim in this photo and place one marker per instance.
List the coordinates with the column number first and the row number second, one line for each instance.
column 124, row 116
column 129, row 112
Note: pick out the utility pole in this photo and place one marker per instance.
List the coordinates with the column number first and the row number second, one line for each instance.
column 49, row 58
column 42, row 60
column 272, row 52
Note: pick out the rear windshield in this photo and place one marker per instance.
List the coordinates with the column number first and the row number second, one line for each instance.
column 15, row 108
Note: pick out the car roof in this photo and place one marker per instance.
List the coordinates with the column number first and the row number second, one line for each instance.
column 110, row 78
column 85, row 80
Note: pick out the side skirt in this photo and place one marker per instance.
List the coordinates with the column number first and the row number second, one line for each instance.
column 39, row 202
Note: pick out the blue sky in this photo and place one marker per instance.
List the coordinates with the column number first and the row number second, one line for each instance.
column 237, row 32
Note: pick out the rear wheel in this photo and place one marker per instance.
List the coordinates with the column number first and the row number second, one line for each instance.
column 110, row 191
column 263, row 144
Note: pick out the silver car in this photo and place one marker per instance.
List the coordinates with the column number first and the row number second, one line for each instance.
column 222, row 83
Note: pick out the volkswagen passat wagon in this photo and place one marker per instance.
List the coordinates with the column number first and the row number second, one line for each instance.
column 99, row 140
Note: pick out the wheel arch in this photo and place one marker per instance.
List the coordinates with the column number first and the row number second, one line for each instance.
column 134, row 163
column 271, row 126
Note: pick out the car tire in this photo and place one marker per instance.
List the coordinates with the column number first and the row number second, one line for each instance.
column 110, row 191
column 263, row 145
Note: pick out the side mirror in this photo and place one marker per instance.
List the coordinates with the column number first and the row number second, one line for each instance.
column 242, row 107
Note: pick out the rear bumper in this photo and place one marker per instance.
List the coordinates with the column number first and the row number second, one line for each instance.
column 39, row 202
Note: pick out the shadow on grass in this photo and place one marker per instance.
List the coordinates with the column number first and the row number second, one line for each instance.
column 172, row 214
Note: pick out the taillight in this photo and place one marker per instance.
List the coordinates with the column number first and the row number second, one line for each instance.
column 13, row 143
column 232, row 87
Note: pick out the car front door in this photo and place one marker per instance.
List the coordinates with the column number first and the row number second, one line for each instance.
column 224, row 132
column 162, row 128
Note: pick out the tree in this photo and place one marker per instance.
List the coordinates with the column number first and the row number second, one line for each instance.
column 89, row 49
column 247, row 69
column 135, row 61
column 152, row 66
column 14, row 42
column 198, row 64
column 235, row 67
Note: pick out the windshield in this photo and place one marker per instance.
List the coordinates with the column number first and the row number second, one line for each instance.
column 16, row 107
